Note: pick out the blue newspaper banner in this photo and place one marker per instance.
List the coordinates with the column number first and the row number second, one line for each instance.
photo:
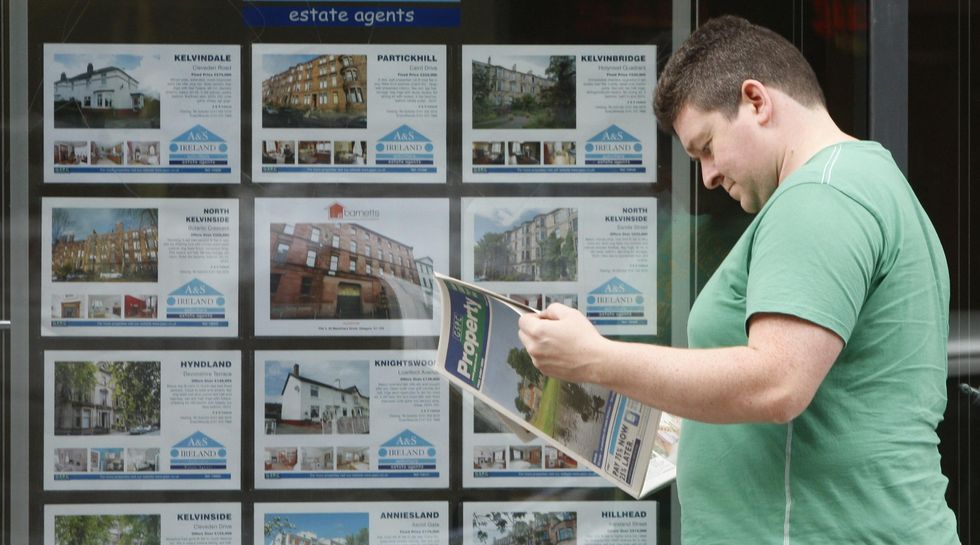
column 349, row 16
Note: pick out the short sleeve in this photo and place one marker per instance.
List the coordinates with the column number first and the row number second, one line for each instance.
column 813, row 256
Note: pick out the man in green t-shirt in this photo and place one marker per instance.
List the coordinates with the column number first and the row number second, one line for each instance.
column 816, row 373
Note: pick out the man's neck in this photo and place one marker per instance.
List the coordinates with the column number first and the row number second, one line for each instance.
column 808, row 131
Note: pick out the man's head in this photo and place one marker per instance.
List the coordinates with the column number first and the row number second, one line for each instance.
column 707, row 71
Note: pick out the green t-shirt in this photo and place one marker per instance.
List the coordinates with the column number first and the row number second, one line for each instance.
column 842, row 243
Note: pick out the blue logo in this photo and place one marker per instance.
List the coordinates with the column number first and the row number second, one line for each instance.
column 198, row 451
column 195, row 299
column 408, row 451
column 616, row 303
column 198, row 146
column 404, row 146
column 613, row 145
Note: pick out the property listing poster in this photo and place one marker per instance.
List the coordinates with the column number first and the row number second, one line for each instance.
column 144, row 523
column 349, row 113
column 495, row 455
column 559, row 113
column 388, row 523
column 579, row 522
column 141, row 420
column 139, row 267
column 131, row 113
column 348, row 267
column 596, row 254
column 350, row 419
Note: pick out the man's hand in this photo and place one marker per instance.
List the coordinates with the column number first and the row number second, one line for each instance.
column 563, row 343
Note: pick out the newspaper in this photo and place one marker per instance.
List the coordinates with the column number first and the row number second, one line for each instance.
column 630, row 444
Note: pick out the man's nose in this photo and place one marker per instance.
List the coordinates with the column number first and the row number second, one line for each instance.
column 710, row 175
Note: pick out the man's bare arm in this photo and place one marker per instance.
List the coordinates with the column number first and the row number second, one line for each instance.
column 771, row 379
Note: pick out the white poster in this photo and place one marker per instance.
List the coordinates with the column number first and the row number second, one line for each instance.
column 144, row 523
column 349, row 113
column 350, row 419
column 496, row 455
column 348, row 267
column 125, row 113
column 596, row 254
column 139, row 267
column 140, row 420
column 559, row 113
column 579, row 522
column 388, row 523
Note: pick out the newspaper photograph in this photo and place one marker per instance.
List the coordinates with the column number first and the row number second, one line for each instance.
column 143, row 524
column 141, row 420
column 560, row 522
column 596, row 254
column 552, row 113
column 135, row 113
column 348, row 267
column 496, row 455
column 139, row 267
column 352, row 523
column 348, row 113
column 350, row 419
column 610, row 434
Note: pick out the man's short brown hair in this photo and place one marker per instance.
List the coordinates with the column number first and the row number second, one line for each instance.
column 708, row 69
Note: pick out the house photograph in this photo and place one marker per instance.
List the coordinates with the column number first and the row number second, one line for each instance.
column 71, row 153
column 104, row 244
column 526, row 244
column 315, row 91
column 317, row 528
column 524, row 92
column 323, row 398
column 338, row 271
column 101, row 398
column 103, row 93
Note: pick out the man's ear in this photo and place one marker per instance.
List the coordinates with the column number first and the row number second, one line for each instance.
column 756, row 96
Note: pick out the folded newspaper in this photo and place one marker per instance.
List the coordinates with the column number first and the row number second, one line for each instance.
column 630, row 444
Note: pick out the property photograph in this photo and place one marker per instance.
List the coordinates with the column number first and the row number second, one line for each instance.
column 316, row 459
column 140, row 307
column 107, row 529
column 68, row 306
column 524, row 153
column 315, row 152
column 490, row 457
column 107, row 153
column 323, row 399
column 487, row 420
column 280, row 458
column 143, row 153
column 524, row 457
column 317, row 528
column 332, row 93
column 488, row 153
column 106, row 460
column 345, row 271
column 532, row 300
column 71, row 153
column 350, row 152
column 70, row 460
column 142, row 459
column 526, row 244
column 107, row 397
column 556, row 459
column 513, row 528
column 570, row 413
column 559, row 153
column 567, row 299
column 278, row 152
column 104, row 244
column 110, row 92
column 353, row 459
column 104, row 307
column 524, row 92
